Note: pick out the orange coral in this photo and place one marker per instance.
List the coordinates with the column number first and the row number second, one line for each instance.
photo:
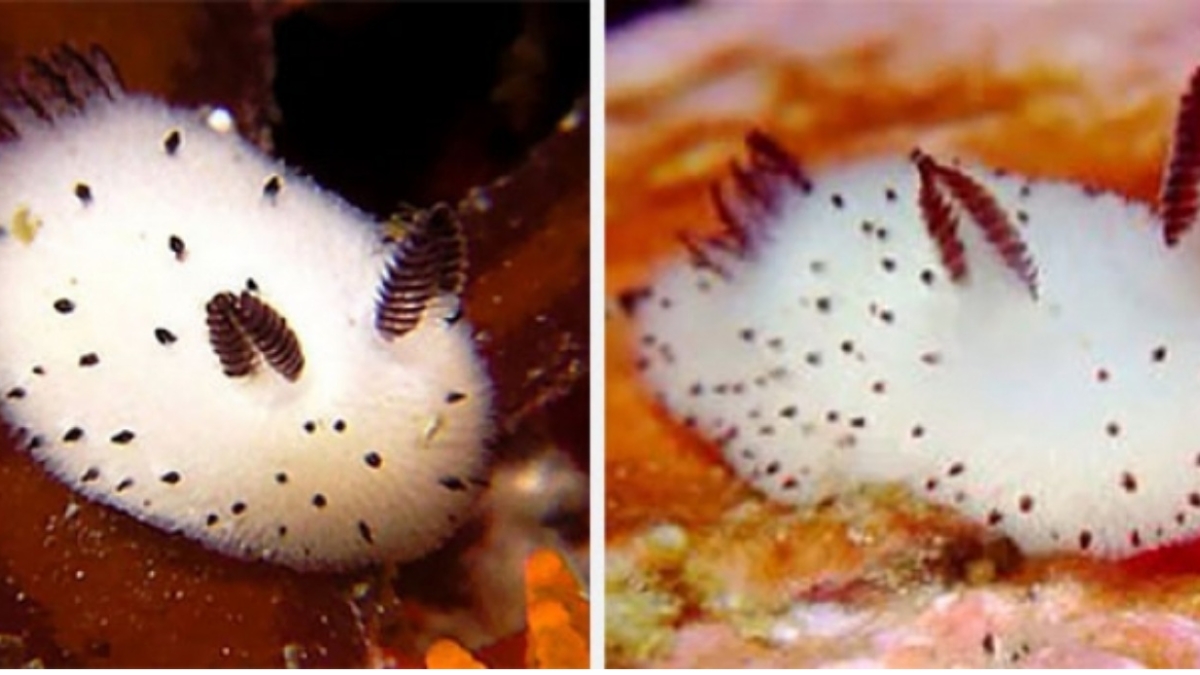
column 446, row 653
column 557, row 613
column 557, row 617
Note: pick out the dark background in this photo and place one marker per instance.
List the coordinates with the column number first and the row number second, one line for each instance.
column 413, row 100
column 620, row 12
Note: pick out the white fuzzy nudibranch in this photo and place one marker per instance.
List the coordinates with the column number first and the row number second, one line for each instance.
column 1024, row 351
column 196, row 335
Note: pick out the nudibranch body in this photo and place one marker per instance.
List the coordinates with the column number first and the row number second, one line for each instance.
column 1027, row 352
column 198, row 336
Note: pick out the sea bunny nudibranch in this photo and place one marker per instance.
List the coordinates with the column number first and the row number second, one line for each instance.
column 1027, row 352
column 197, row 335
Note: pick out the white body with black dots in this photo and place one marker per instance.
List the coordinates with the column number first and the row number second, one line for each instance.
column 120, row 222
column 1054, row 399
